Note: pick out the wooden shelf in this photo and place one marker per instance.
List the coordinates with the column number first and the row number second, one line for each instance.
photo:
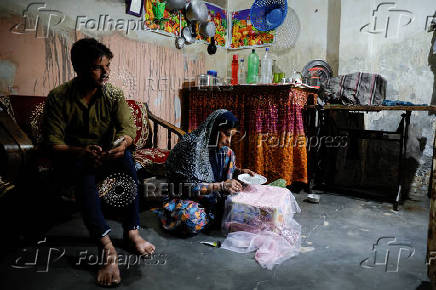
column 375, row 108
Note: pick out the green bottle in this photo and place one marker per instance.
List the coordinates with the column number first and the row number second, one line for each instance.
column 253, row 67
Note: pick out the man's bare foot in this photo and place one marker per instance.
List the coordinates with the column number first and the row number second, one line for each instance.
column 142, row 246
column 109, row 274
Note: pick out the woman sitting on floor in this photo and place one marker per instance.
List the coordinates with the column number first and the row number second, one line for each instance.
column 204, row 165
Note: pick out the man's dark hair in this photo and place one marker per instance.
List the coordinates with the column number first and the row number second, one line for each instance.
column 87, row 50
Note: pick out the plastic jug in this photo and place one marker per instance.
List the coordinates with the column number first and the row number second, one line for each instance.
column 235, row 70
column 266, row 76
column 253, row 67
column 241, row 74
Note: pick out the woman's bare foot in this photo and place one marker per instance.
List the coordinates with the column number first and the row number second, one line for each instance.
column 109, row 274
column 142, row 246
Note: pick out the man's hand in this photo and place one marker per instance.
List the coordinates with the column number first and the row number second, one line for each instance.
column 232, row 186
column 117, row 152
column 93, row 154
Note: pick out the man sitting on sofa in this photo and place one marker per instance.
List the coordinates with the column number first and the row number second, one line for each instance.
column 82, row 118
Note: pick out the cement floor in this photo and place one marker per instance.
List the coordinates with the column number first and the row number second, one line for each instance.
column 337, row 236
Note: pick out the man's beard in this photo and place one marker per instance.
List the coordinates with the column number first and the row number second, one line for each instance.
column 104, row 79
column 101, row 81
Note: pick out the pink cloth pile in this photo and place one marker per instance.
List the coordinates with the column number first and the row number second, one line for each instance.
column 261, row 219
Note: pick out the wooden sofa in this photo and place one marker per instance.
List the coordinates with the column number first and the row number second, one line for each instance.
column 26, row 111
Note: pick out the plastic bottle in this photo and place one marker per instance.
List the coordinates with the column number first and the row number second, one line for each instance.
column 275, row 71
column 241, row 74
column 266, row 74
column 235, row 70
column 253, row 67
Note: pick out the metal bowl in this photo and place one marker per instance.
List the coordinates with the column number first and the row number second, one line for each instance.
column 197, row 11
column 175, row 4
column 207, row 29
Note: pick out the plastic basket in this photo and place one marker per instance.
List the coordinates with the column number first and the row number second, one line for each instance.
column 266, row 15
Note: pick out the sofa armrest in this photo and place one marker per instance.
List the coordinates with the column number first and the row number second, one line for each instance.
column 160, row 122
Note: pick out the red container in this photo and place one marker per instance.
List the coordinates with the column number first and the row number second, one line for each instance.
column 235, row 67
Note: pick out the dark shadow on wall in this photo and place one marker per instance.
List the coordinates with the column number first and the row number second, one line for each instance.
column 369, row 163
column 432, row 64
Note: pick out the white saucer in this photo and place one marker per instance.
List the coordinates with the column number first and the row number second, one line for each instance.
column 248, row 179
column 313, row 198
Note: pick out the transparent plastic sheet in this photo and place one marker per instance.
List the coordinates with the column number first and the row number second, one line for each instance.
column 261, row 219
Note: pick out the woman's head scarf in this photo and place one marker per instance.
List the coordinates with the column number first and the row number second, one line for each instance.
column 189, row 159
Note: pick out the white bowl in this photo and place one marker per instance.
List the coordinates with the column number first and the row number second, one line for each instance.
column 248, row 179
column 314, row 198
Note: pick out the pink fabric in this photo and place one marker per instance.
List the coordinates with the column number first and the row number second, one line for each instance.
column 272, row 249
column 260, row 219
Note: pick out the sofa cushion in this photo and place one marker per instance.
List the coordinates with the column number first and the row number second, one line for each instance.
column 140, row 117
column 152, row 160
column 5, row 102
column 27, row 111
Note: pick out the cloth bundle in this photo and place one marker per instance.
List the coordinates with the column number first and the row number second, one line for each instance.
column 355, row 89
column 261, row 218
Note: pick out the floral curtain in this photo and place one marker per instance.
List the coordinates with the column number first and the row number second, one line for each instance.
column 271, row 140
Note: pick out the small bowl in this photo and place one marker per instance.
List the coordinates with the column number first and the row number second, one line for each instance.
column 313, row 198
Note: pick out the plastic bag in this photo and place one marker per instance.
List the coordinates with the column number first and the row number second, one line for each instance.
column 260, row 219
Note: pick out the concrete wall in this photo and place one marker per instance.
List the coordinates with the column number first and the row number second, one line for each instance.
column 311, row 43
column 332, row 30
column 400, row 52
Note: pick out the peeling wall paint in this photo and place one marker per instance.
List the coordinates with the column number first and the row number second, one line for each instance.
column 7, row 76
column 146, row 66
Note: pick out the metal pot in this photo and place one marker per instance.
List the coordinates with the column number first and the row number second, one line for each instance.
column 187, row 35
column 197, row 11
column 207, row 80
column 203, row 80
column 180, row 42
column 175, row 4
column 207, row 29
column 211, row 48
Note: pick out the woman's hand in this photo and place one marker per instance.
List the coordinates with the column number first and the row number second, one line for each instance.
column 232, row 186
column 248, row 171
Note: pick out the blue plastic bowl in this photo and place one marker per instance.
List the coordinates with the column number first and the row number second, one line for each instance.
column 266, row 15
